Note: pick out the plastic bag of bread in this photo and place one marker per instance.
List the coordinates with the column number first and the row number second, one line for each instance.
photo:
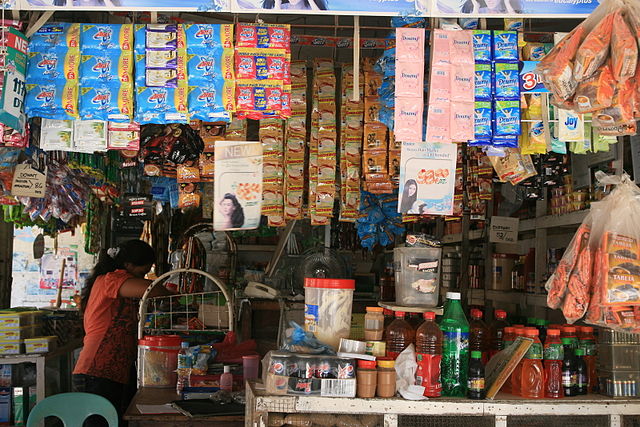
column 624, row 49
column 596, row 92
column 324, row 420
column 276, row 420
column 594, row 50
column 622, row 106
column 299, row 420
column 556, row 68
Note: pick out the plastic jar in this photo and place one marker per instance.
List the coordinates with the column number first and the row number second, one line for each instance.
column 327, row 309
column 366, row 378
column 158, row 360
column 374, row 324
column 386, row 378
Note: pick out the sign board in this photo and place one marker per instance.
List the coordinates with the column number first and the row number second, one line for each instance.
column 501, row 365
column 13, row 88
column 514, row 8
column 530, row 81
column 504, row 229
column 28, row 182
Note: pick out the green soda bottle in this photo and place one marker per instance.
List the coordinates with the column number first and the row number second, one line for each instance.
column 455, row 348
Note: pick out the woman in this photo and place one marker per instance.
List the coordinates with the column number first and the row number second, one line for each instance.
column 232, row 212
column 110, row 322
column 409, row 195
column 295, row 4
column 495, row 7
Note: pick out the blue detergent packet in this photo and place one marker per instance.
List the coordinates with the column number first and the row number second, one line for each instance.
column 469, row 23
column 207, row 103
column 480, row 143
column 507, row 81
column 482, row 120
column 161, row 105
column 54, row 100
column 483, row 82
column 507, row 118
column 58, row 36
column 505, row 46
column 112, row 102
column 140, row 38
column 505, row 141
column 202, row 38
column 106, row 36
column 112, row 67
column 482, row 46
column 408, row 21
column 202, row 68
column 51, row 65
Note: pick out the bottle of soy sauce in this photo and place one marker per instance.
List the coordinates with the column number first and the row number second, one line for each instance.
column 476, row 377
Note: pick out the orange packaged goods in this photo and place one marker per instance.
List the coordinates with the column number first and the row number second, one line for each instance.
column 557, row 67
column 594, row 50
column 624, row 49
column 596, row 92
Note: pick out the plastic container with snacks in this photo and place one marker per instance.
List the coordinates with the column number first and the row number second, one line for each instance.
column 327, row 311
column 13, row 334
column 15, row 319
column 11, row 347
column 158, row 360
column 40, row 344
column 417, row 276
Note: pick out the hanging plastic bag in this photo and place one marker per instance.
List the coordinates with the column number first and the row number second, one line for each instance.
column 594, row 50
column 624, row 49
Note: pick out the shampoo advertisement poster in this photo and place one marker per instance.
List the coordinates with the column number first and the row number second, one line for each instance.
column 427, row 178
column 238, row 185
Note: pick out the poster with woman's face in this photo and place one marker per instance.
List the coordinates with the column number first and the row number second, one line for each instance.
column 427, row 178
column 238, row 185
column 513, row 7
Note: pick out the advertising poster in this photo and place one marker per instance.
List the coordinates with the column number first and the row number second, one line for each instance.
column 50, row 266
column 238, row 185
column 363, row 7
column 513, row 7
column 427, row 178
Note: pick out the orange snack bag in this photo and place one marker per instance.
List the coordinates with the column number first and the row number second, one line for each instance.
column 557, row 67
column 594, row 50
column 622, row 106
column 596, row 92
column 624, row 49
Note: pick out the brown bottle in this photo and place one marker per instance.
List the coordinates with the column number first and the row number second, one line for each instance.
column 398, row 336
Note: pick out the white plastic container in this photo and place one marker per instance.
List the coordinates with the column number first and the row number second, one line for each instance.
column 327, row 309
column 417, row 273
column 158, row 360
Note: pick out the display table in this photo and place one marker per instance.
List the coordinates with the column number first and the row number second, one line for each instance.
column 503, row 410
column 63, row 354
column 162, row 396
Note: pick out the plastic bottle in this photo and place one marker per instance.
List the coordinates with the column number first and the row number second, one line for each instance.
column 455, row 348
column 582, row 383
column 414, row 319
column 367, row 378
column 476, row 376
column 373, row 324
column 541, row 324
column 516, row 376
column 388, row 318
column 226, row 379
column 429, row 355
column 399, row 335
column 569, row 371
column 508, row 337
column 532, row 385
column 570, row 333
column 479, row 335
column 496, row 332
column 587, row 341
column 388, row 284
column 553, row 358
column 184, row 365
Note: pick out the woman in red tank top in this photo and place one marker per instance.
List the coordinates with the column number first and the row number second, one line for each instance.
column 110, row 306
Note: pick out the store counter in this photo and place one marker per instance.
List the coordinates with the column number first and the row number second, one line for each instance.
column 152, row 400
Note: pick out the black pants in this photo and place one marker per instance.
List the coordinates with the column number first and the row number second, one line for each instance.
column 118, row 394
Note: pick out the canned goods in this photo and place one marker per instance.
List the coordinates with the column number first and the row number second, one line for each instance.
column 307, row 366
column 326, row 367
column 279, row 363
column 346, row 369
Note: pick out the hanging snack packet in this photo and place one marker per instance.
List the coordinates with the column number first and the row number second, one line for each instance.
column 507, row 81
column 505, row 46
column 533, row 51
column 513, row 24
column 482, row 42
column 594, row 50
column 596, row 92
column 624, row 50
column 483, row 84
column 507, row 118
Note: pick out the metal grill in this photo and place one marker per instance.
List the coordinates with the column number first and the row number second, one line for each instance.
column 631, row 421
column 442, row 421
column 558, row 421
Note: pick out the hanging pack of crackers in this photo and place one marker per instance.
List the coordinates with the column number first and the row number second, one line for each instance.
column 296, row 134
column 272, row 137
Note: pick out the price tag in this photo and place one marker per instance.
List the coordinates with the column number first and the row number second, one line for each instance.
column 530, row 81
column 28, row 182
column 504, row 229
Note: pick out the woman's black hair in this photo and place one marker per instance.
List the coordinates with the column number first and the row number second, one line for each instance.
column 270, row 4
column 136, row 252
column 237, row 217
column 407, row 201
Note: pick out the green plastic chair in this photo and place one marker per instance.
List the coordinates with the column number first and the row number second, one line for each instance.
column 72, row 409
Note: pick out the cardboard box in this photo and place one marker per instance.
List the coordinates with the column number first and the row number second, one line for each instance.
column 281, row 385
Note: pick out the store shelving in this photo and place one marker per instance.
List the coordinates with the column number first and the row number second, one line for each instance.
column 552, row 221
column 256, row 248
column 457, row 237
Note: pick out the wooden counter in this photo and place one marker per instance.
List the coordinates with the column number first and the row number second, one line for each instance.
column 161, row 396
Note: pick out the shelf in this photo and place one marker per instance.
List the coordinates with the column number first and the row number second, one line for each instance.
column 393, row 306
column 457, row 238
column 256, row 248
column 552, row 221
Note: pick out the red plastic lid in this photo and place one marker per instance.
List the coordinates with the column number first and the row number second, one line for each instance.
column 519, row 331
column 476, row 314
column 429, row 315
column 531, row 332
column 251, row 356
column 509, row 330
column 161, row 341
column 366, row 364
column 569, row 329
column 553, row 332
column 501, row 314
column 587, row 329
column 400, row 314
column 310, row 282
column 386, row 312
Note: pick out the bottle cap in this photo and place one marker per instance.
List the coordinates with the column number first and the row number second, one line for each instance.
column 569, row 329
column 566, row 341
column 400, row 314
column 429, row 315
column 476, row 314
column 501, row 314
column 509, row 330
column 519, row 331
column 579, row 351
column 375, row 309
column 387, row 312
column 227, row 369
column 531, row 332
column 386, row 363
column 184, row 344
column 366, row 364
column 531, row 320
column 541, row 322
column 553, row 332
column 453, row 295
column 476, row 354
column 587, row 329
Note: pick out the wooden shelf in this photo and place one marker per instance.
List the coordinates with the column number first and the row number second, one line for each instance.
column 552, row 221
column 395, row 307
column 457, row 238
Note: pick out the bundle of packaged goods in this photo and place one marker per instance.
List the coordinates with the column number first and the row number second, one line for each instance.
column 618, row 363
column 271, row 136
column 295, row 133
column 593, row 70
column 20, row 330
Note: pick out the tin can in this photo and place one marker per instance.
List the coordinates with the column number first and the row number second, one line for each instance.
column 326, row 367
column 346, row 369
column 280, row 363
column 307, row 366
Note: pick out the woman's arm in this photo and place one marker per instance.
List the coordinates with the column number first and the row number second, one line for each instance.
column 135, row 288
